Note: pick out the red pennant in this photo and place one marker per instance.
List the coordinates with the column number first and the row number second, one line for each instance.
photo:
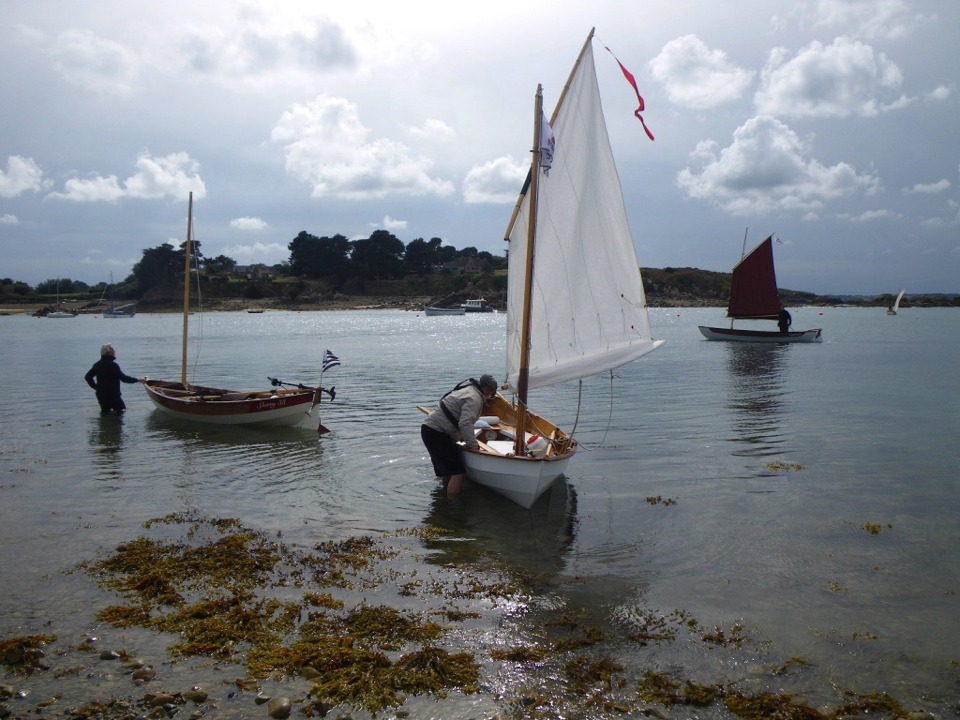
column 632, row 80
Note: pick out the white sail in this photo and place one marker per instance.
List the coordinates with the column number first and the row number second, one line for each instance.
column 896, row 305
column 588, row 308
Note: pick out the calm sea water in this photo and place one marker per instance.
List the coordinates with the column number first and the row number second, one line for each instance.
column 770, row 464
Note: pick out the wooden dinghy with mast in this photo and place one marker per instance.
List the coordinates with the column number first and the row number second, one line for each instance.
column 575, row 300
column 285, row 404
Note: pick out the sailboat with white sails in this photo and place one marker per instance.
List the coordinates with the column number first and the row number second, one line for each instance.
column 892, row 310
column 60, row 313
column 575, row 300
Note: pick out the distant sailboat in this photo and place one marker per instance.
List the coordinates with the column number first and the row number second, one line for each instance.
column 60, row 312
column 896, row 305
column 754, row 296
column 117, row 311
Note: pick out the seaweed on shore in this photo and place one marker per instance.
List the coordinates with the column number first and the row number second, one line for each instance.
column 236, row 595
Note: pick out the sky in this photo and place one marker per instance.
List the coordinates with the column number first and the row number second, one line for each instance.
column 829, row 123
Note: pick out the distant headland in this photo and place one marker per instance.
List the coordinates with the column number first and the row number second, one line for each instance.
column 664, row 287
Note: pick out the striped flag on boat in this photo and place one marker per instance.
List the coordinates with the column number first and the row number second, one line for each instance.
column 329, row 360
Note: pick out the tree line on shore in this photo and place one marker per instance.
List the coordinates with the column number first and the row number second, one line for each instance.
column 342, row 265
column 381, row 265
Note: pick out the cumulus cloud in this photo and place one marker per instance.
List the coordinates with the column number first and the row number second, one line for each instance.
column 434, row 130
column 248, row 223
column 768, row 168
column 22, row 175
column 868, row 18
column 847, row 78
column 929, row 188
column 86, row 60
column 259, row 48
column 266, row 253
column 941, row 92
column 173, row 175
column 327, row 147
column 870, row 216
column 9, row 219
column 498, row 181
column 389, row 223
column 696, row 76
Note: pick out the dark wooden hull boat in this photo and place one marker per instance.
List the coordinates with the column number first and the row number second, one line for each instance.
column 761, row 336
column 281, row 407
column 754, row 296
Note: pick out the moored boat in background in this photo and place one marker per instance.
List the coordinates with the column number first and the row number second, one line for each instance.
column 431, row 311
column 478, row 305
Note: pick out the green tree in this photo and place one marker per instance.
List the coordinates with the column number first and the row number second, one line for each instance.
column 445, row 254
column 159, row 266
column 313, row 257
column 377, row 257
column 65, row 286
column 419, row 257
column 219, row 264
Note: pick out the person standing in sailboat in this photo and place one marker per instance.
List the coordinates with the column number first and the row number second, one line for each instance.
column 784, row 320
column 451, row 421
column 105, row 377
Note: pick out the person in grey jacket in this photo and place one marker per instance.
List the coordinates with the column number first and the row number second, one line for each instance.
column 451, row 421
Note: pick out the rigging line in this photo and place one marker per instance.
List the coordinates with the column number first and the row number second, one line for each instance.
column 538, row 430
column 599, row 444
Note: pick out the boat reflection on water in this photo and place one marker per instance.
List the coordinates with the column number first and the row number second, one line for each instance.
column 757, row 393
column 482, row 528
column 228, row 435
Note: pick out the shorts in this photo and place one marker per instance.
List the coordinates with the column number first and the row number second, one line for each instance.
column 444, row 452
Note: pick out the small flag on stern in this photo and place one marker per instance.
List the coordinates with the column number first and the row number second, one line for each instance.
column 329, row 360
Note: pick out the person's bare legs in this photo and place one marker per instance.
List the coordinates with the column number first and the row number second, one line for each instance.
column 453, row 486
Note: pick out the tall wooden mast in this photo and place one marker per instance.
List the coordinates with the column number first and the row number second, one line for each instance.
column 187, row 252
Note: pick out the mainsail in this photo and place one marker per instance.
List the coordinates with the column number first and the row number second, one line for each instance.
column 587, row 302
column 753, row 288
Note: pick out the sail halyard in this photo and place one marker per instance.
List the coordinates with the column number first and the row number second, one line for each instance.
column 186, row 290
column 753, row 286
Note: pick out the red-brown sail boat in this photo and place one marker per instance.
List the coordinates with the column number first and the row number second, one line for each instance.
column 754, row 296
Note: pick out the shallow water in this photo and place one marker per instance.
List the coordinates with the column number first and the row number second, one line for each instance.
column 769, row 462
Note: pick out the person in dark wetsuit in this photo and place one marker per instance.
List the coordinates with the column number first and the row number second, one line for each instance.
column 784, row 320
column 105, row 377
